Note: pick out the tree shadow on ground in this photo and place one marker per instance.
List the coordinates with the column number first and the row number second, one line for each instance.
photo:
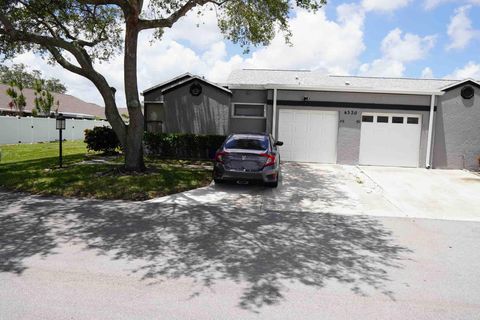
column 256, row 246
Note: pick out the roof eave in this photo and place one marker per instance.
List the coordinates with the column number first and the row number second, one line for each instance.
column 334, row 89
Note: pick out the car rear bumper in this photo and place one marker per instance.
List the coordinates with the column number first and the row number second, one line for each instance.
column 266, row 175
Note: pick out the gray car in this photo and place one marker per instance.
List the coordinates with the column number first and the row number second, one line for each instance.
column 245, row 157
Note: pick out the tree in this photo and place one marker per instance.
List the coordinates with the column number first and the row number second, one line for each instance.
column 77, row 33
column 19, row 71
column 18, row 99
column 44, row 99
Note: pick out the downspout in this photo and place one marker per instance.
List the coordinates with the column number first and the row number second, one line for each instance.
column 274, row 117
column 428, row 160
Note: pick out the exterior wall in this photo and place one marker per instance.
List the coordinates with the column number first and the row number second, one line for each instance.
column 354, row 97
column 246, row 124
column 348, row 142
column 207, row 113
column 154, row 117
column 457, row 131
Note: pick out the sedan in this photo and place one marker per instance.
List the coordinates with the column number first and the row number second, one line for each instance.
column 248, row 157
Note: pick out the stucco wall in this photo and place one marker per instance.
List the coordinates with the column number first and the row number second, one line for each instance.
column 457, row 131
column 377, row 98
column 207, row 113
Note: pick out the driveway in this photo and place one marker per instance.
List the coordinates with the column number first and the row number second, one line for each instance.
column 352, row 190
column 308, row 250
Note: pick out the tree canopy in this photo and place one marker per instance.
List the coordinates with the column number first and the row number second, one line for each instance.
column 76, row 33
column 20, row 73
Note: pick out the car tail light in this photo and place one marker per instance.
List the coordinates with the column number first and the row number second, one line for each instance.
column 270, row 159
column 220, row 155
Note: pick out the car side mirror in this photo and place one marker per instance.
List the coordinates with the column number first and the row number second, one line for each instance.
column 279, row 143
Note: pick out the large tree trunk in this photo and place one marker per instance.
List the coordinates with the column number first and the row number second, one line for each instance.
column 134, row 140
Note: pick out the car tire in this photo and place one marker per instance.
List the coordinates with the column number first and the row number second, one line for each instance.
column 218, row 181
column 272, row 184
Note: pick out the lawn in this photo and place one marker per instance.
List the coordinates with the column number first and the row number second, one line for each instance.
column 34, row 168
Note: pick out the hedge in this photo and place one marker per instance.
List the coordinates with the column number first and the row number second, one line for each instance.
column 182, row 145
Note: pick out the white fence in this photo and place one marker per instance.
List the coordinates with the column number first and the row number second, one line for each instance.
column 30, row 129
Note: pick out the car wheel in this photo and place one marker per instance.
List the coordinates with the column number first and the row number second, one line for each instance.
column 218, row 181
column 272, row 184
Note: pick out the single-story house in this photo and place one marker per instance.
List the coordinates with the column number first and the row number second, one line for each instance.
column 405, row 122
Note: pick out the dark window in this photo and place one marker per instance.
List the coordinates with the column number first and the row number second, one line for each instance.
column 397, row 119
column 367, row 118
column 249, row 110
column 412, row 120
column 260, row 143
column 382, row 119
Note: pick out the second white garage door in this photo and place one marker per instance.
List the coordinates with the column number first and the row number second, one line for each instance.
column 390, row 139
column 308, row 135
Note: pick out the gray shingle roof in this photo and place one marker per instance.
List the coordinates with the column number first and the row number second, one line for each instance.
column 318, row 79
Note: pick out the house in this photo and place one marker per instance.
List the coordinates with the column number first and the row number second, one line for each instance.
column 70, row 106
column 330, row 119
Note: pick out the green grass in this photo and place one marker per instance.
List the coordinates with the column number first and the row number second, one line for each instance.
column 34, row 168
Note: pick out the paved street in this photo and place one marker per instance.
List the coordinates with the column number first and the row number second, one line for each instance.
column 332, row 242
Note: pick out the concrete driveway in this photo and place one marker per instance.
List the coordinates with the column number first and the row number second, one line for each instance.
column 308, row 250
column 352, row 190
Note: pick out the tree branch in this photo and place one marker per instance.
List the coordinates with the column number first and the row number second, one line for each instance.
column 170, row 20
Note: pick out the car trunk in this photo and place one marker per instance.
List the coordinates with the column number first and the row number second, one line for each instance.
column 243, row 160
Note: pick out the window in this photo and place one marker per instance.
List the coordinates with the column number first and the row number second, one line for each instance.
column 397, row 119
column 248, row 143
column 367, row 118
column 412, row 120
column 249, row 110
column 382, row 119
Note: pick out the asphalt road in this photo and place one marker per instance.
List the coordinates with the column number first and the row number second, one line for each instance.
column 231, row 259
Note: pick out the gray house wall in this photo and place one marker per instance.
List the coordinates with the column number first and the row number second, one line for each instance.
column 349, row 127
column 457, row 131
column 207, row 113
column 249, row 124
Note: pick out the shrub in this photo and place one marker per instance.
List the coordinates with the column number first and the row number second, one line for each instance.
column 102, row 139
column 182, row 145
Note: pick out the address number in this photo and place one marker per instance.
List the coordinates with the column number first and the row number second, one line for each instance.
column 350, row 112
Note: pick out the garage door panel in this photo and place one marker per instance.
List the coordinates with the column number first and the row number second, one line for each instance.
column 308, row 135
column 390, row 144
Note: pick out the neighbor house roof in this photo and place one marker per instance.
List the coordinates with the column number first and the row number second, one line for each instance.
column 306, row 78
column 68, row 103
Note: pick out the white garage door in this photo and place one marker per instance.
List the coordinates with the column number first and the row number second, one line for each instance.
column 308, row 135
column 390, row 139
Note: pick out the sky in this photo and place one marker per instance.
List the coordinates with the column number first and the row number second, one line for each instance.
column 386, row 38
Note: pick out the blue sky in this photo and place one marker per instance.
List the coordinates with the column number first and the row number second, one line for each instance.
column 394, row 38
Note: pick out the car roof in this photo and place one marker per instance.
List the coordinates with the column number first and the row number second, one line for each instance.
column 249, row 135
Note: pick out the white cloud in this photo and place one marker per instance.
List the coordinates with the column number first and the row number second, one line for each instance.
column 408, row 48
column 431, row 4
column 384, row 5
column 427, row 73
column 470, row 70
column 335, row 47
column 460, row 30
column 397, row 50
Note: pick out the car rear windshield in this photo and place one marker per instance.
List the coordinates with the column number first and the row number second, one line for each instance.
column 260, row 143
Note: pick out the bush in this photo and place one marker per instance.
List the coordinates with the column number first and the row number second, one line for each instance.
column 102, row 139
column 182, row 145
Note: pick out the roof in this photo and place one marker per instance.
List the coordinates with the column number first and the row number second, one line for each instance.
column 68, row 103
column 461, row 83
column 195, row 78
column 169, row 82
column 306, row 78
